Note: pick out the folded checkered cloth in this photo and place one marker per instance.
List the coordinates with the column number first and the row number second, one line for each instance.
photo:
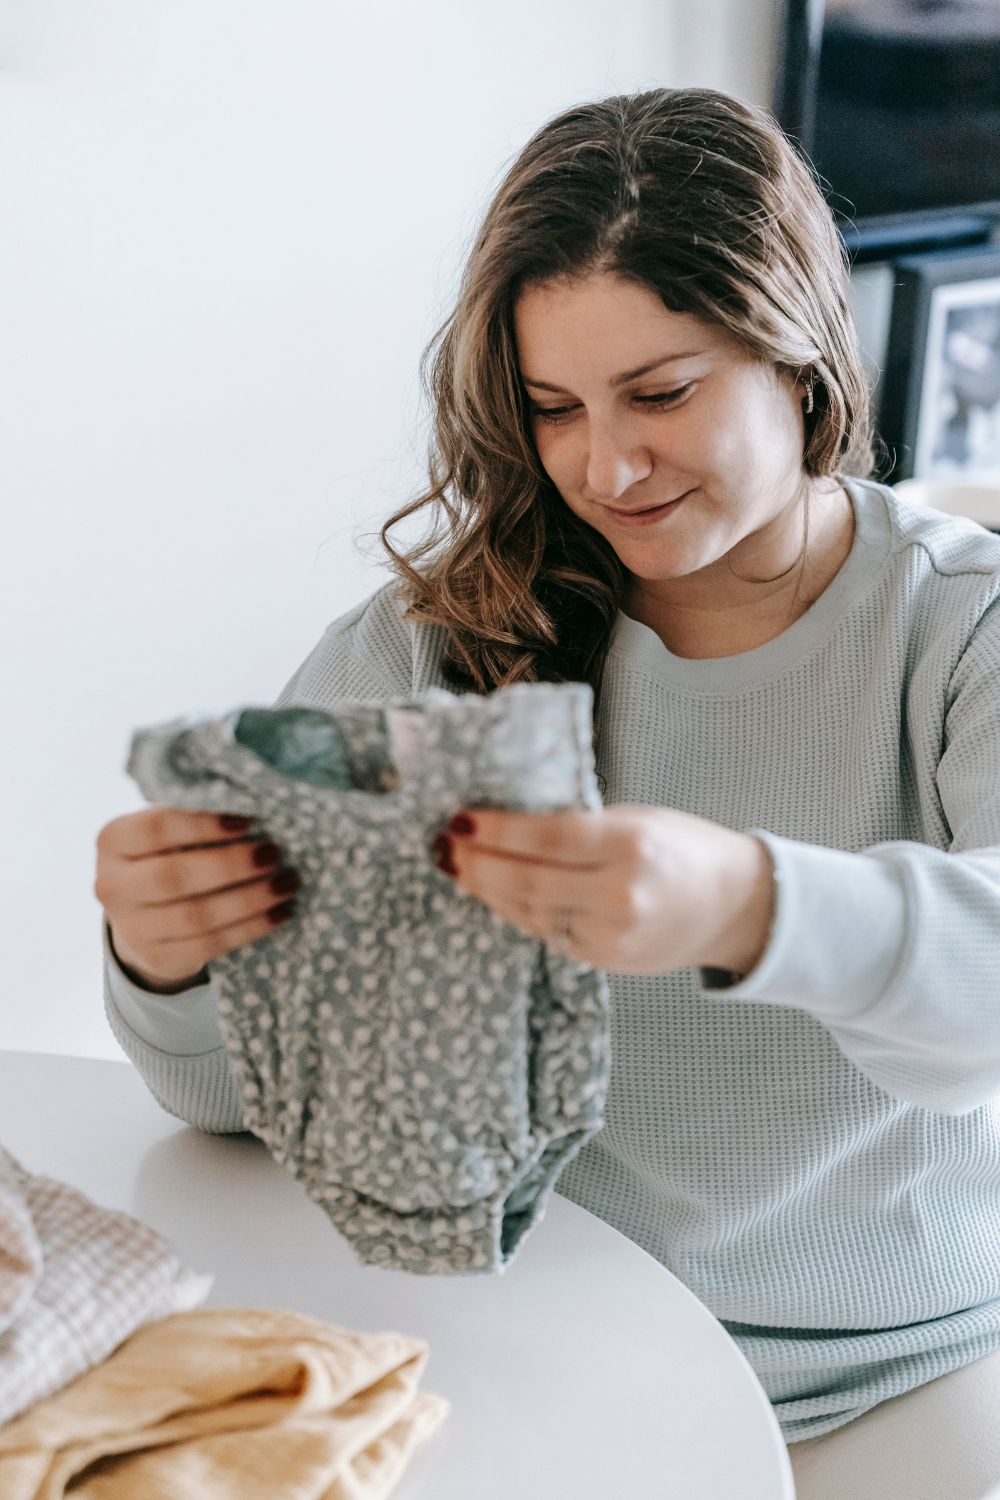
column 75, row 1281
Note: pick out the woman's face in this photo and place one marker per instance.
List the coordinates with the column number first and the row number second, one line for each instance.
column 634, row 406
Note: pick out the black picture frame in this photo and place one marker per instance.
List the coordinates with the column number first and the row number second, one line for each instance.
column 800, row 42
column 939, row 411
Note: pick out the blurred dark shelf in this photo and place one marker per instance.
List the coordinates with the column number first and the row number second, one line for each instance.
column 887, row 237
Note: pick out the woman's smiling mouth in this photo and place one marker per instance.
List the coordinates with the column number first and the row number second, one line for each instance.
column 647, row 517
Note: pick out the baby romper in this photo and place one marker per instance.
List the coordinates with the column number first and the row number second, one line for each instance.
column 423, row 1068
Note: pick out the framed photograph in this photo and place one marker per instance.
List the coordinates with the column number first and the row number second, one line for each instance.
column 940, row 405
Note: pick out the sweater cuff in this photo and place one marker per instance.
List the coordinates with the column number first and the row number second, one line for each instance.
column 837, row 934
column 185, row 1024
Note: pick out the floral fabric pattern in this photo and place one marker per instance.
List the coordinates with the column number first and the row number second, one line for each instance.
column 424, row 1069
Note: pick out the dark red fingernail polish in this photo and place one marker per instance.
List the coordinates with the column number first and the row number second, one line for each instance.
column 462, row 823
column 443, row 857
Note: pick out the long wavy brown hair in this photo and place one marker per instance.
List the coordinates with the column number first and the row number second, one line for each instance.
column 700, row 198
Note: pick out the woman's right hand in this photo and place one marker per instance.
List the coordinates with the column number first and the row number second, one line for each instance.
column 178, row 890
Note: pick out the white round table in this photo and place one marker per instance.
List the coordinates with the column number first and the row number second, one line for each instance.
column 585, row 1369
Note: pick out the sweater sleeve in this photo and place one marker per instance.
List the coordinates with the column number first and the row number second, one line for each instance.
column 896, row 949
column 175, row 1041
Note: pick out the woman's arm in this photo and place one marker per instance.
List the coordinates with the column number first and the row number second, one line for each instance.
column 896, row 949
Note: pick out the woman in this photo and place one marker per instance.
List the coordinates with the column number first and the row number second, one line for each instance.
column 652, row 437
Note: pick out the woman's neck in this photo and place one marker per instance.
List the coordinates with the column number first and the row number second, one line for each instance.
column 721, row 629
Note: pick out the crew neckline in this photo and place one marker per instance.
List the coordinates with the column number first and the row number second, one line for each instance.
column 869, row 550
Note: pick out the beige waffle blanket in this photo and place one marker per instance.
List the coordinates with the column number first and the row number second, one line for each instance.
column 75, row 1280
column 229, row 1404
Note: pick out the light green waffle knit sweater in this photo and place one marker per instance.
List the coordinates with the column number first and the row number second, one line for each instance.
column 814, row 1151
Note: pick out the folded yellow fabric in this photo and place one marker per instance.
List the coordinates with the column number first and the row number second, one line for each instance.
column 229, row 1404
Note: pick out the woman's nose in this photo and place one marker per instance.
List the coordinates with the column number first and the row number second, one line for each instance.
column 614, row 465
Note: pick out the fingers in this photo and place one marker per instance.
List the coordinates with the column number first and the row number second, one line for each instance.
column 177, row 963
column 167, row 854
column 153, row 830
column 516, row 882
column 178, row 889
column 578, row 837
column 591, row 939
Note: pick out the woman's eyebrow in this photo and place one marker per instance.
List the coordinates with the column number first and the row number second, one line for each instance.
column 654, row 364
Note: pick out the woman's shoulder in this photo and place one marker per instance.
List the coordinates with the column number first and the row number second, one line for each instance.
column 378, row 638
column 377, row 617
column 944, row 569
column 952, row 543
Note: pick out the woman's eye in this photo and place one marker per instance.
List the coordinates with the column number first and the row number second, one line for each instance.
column 662, row 401
column 664, row 398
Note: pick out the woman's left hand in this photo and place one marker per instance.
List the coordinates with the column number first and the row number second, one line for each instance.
column 641, row 890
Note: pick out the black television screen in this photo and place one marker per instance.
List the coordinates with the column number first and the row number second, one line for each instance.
column 896, row 102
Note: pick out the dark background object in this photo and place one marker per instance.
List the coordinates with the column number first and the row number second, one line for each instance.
column 915, row 280
column 897, row 104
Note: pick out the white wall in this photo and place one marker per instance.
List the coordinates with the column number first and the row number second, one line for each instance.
column 230, row 226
